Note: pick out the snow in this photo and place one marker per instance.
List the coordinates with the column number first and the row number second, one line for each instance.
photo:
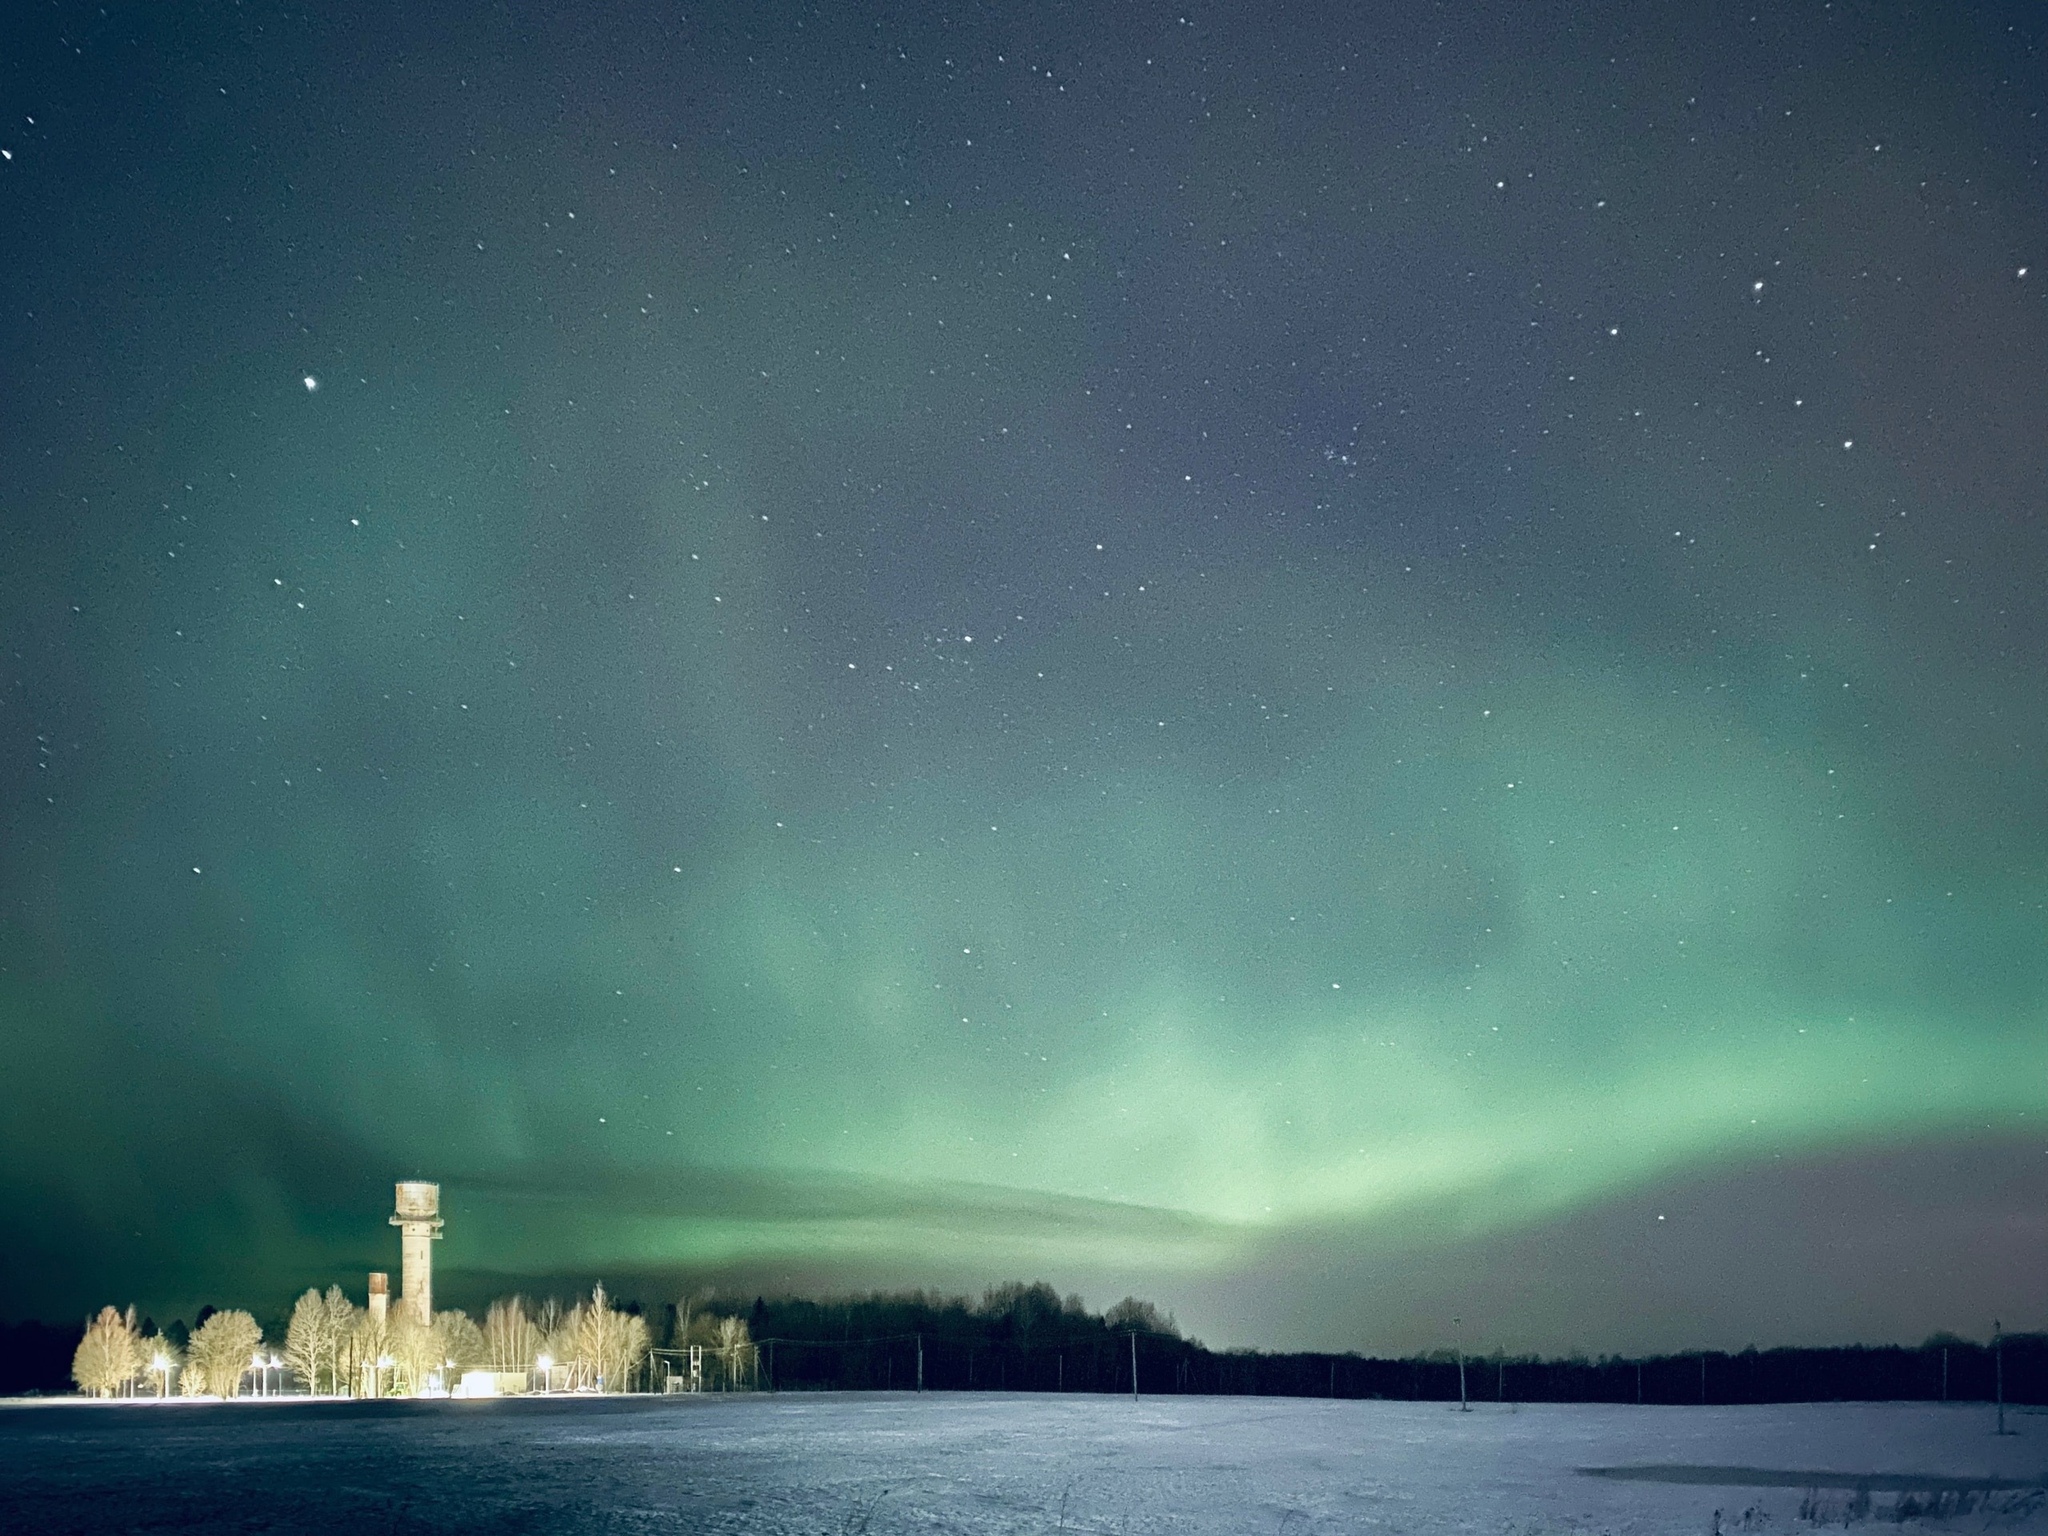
column 988, row 1464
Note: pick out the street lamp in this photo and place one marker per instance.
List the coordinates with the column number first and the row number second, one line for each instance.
column 274, row 1364
column 448, row 1376
column 160, row 1367
column 256, row 1370
column 547, row 1367
column 383, row 1365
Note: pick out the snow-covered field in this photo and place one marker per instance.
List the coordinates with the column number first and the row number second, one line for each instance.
column 859, row 1465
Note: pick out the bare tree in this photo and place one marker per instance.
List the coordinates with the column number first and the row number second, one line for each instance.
column 305, row 1339
column 558, row 1337
column 110, row 1354
column 734, row 1344
column 686, row 1309
column 1142, row 1316
column 512, row 1340
column 220, row 1352
column 604, row 1346
column 462, row 1342
column 340, row 1335
column 415, row 1351
column 369, row 1344
column 629, row 1349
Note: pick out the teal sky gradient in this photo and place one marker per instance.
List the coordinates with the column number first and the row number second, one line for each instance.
column 1146, row 698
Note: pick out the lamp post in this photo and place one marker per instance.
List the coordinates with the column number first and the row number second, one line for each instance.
column 383, row 1365
column 274, row 1363
column 547, row 1372
column 256, row 1375
column 1458, row 1339
column 448, row 1376
column 160, row 1367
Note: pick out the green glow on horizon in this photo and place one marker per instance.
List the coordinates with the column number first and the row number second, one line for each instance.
column 1499, row 963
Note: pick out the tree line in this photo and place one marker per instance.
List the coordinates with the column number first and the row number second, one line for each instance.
column 332, row 1347
column 1014, row 1337
column 1027, row 1338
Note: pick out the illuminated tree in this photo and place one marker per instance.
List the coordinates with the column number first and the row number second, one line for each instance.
column 160, row 1361
column 110, row 1354
column 460, row 1341
column 415, row 1351
column 688, row 1317
column 602, row 1347
column 342, row 1314
column 369, row 1341
column 219, row 1354
column 558, row 1337
column 512, row 1340
column 733, row 1347
column 306, row 1341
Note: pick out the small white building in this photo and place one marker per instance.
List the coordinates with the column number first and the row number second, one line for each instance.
column 492, row 1384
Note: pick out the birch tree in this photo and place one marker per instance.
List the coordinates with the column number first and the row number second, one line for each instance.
column 306, row 1339
column 733, row 1344
column 512, row 1340
column 604, row 1346
column 342, row 1315
column 369, row 1342
column 220, row 1352
column 415, row 1350
column 460, row 1341
column 110, row 1354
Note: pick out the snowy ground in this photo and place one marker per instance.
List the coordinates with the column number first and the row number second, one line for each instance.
column 985, row 1464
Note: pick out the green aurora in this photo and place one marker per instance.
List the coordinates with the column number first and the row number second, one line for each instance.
column 873, row 769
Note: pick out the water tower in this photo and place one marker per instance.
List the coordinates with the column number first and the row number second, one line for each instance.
column 418, row 1219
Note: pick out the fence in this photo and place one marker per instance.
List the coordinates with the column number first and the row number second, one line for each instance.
column 1163, row 1364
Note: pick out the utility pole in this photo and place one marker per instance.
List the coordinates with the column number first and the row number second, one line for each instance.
column 1458, row 1341
column 1998, row 1354
column 920, row 1362
column 1134, row 1374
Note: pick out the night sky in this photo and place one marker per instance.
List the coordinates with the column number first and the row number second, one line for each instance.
column 1343, row 665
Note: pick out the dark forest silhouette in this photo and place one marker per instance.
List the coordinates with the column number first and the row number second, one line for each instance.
column 1024, row 1338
